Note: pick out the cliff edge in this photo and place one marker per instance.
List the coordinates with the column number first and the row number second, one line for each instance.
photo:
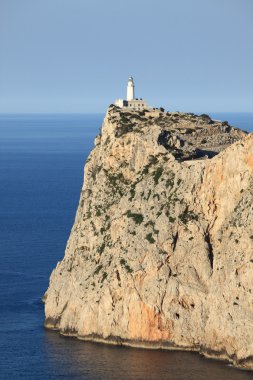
column 161, row 251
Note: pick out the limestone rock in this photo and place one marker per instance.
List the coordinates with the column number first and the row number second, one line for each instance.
column 161, row 251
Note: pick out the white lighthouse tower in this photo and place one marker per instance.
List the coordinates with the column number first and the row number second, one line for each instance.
column 130, row 89
column 131, row 102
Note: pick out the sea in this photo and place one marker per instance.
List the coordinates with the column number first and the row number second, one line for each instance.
column 41, row 173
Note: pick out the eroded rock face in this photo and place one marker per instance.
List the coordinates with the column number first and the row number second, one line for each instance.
column 161, row 251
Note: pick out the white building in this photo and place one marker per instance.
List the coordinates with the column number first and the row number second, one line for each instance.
column 131, row 101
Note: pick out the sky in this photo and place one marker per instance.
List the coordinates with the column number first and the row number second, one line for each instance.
column 75, row 56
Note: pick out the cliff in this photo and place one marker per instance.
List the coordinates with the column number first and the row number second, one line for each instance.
column 161, row 251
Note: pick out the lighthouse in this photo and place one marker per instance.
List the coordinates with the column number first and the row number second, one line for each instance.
column 131, row 102
column 130, row 89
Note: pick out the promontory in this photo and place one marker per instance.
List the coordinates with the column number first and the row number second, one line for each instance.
column 161, row 251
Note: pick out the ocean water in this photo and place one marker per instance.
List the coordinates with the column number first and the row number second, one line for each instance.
column 41, row 173
column 239, row 120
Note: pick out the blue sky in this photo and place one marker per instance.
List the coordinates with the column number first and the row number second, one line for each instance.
column 76, row 55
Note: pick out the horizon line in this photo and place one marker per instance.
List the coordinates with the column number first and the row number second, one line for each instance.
column 102, row 112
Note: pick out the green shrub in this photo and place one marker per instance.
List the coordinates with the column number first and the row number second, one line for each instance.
column 123, row 262
column 138, row 218
column 157, row 174
column 150, row 238
column 170, row 181
column 95, row 171
column 132, row 192
column 149, row 193
column 187, row 216
column 102, row 230
column 124, row 119
column 98, row 269
column 152, row 161
column 150, row 223
column 101, row 249
column 205, row 116
column 116, row 182
column 98, row 212
column 126, row 266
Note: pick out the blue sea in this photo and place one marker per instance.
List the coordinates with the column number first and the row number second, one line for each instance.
column 41, row 173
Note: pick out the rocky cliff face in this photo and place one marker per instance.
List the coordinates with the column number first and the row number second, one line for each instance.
column 161, row 251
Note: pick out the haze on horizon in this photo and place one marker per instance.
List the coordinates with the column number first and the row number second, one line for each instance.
column 75, row 56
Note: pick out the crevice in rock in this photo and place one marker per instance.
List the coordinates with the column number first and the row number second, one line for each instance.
column 163, row 296
column 210, row 249
column 174, row 242
column 118, row 276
